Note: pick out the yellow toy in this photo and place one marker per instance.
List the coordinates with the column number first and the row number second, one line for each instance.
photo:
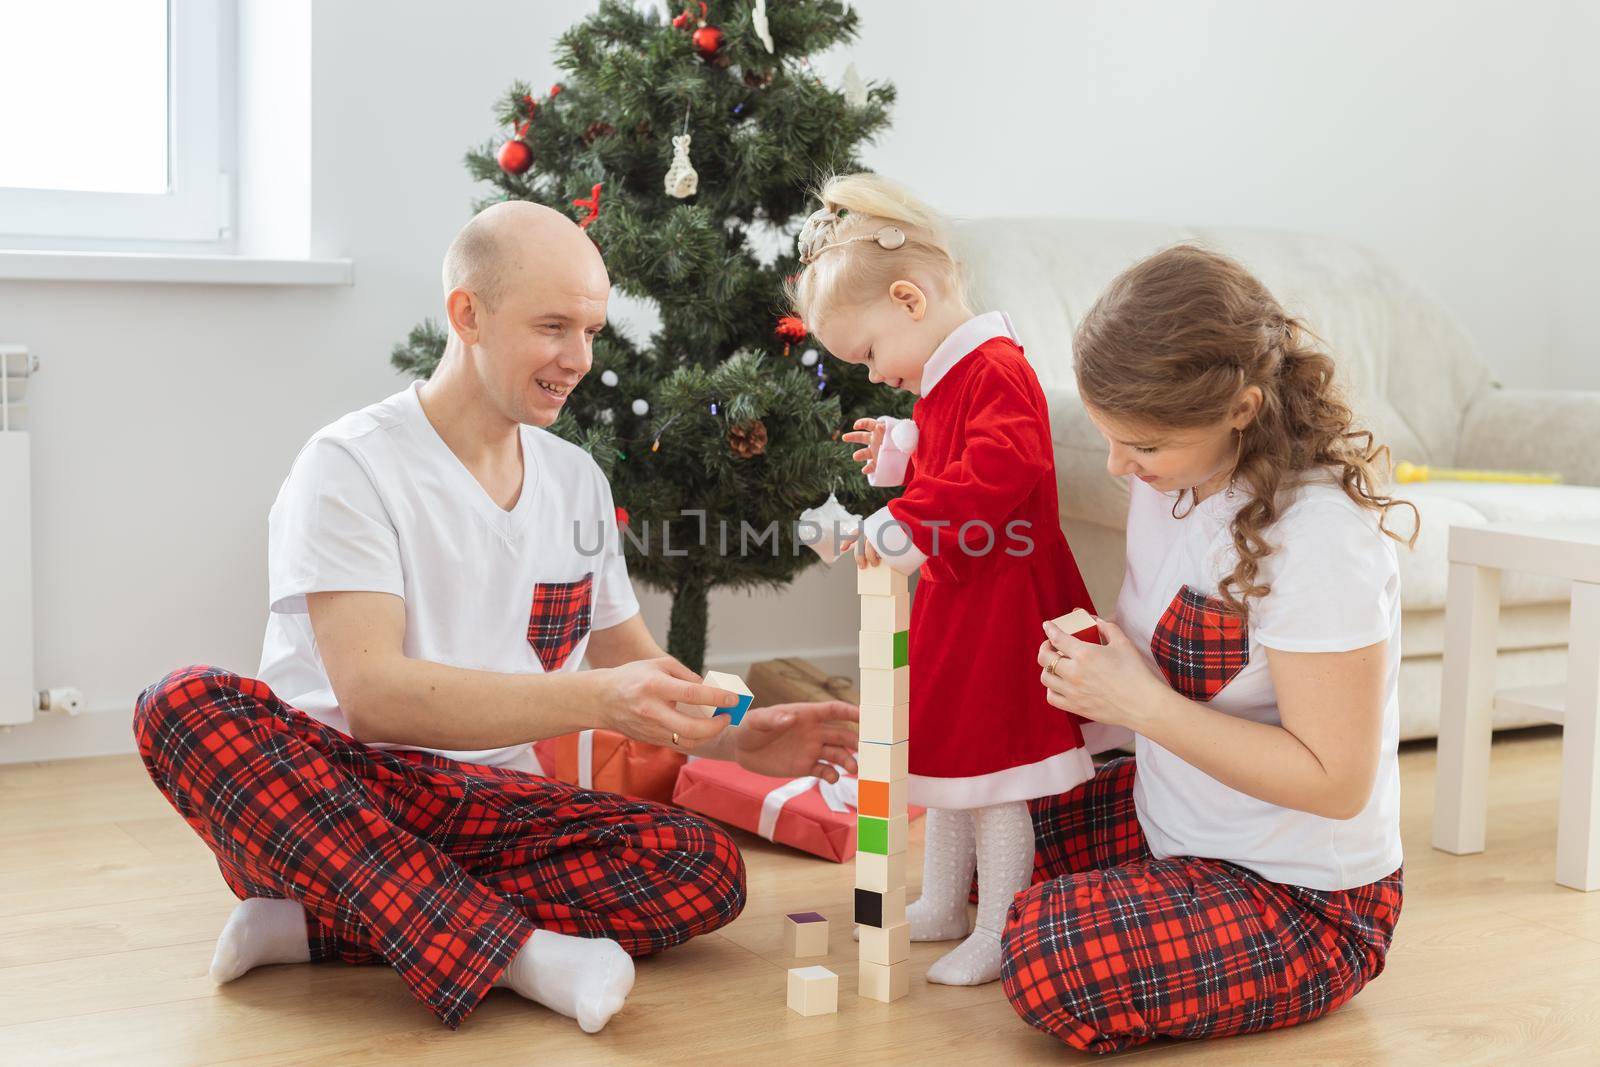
column 1407, row 473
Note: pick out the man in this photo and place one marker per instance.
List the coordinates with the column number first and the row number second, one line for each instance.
column 372, row 797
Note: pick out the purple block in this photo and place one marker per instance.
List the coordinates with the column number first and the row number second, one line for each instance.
column 808, row 917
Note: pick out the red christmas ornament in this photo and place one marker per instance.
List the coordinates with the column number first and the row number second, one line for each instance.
column 790, row 330
column 555, row 90
column 707, row 41
column 591, row 203
column 515, row 157
column 622, row 516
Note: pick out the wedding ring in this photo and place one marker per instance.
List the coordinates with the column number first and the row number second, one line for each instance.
column 674, row 739
column 1052, row 667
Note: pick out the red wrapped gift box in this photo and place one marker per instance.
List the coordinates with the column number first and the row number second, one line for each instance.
column 796, row 814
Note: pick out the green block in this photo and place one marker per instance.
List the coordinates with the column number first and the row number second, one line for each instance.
column 902, row 645
column 872, row 835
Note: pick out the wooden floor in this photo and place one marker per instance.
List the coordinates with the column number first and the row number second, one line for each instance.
column 109, row 906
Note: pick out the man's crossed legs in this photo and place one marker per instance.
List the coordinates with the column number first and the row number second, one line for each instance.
column 460, row 877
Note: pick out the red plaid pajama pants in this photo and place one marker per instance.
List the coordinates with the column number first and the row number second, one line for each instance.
column 1112, row 947
column 440, row 869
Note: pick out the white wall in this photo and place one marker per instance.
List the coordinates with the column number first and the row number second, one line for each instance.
column 1455, row 137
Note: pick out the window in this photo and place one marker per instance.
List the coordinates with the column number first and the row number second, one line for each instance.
column 116, row 124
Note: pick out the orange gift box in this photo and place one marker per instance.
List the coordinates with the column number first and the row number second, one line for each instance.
column 607, row 761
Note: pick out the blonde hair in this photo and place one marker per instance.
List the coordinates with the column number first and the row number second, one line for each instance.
column 869, row 232
column 1177, row 338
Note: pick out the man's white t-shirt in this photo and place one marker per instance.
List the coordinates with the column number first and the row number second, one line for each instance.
column 377, row 502
column 1335, row 587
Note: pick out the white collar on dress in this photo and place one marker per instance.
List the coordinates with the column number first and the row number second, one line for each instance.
column 963, row 340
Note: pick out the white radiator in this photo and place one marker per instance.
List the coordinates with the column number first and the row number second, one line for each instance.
column 17, row 692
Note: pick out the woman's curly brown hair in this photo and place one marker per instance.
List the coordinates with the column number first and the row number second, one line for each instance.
column 1174, row 342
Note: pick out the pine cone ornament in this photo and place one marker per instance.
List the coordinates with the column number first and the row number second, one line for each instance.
column 597, row 130
column 747, row 439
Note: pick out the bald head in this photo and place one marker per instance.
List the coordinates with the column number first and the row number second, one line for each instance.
column 515, row 243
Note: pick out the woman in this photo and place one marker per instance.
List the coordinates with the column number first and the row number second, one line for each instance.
column 1242, row 870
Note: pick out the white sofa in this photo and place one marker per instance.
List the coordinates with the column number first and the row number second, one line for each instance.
column 1412, row 375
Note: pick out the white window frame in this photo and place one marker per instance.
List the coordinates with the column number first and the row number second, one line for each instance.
column 195, row 213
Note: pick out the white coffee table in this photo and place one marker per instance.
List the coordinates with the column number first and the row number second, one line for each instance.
column 1472, row 611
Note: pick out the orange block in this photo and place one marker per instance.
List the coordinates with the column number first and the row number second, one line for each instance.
column 882, row 800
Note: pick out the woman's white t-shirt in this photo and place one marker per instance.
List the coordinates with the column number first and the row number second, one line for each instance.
column 377, row 502
column 1335, row 587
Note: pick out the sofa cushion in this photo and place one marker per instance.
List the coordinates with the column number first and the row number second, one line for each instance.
column 1425, row 569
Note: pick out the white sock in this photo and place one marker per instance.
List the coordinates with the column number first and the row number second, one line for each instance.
column 260, row 931
column 1005, row 868
column 948, row 861
column 583, row 978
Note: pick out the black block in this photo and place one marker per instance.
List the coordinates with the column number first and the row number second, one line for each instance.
column 869, row 908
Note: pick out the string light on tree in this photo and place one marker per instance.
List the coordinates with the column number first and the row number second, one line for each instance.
column 641, row 407
column 809, row 358
column 609, row 378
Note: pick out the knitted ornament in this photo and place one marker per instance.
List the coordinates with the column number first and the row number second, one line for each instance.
column 855, row 90
column 681, row 180
column 758, row 22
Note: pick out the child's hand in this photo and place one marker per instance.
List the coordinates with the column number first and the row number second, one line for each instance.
column 867, row 556
column 868, row 432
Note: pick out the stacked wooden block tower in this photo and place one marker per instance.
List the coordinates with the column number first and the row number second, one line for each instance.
column 880, row 910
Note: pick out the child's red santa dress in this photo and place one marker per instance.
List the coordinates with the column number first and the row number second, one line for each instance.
column 980, row 508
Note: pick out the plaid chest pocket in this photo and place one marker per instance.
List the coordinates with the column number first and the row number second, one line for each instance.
column 1200, row 645
column 559, row 619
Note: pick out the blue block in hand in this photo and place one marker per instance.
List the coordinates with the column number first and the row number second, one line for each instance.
column 733, row 684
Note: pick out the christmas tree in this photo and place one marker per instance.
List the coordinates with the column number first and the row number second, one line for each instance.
column 687, row 148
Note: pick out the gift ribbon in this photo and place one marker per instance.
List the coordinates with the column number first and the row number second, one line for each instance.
column 840, row 797
column 585, row 759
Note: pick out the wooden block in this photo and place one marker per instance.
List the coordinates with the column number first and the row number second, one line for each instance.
column 886, row 982
column 1079, row 624
column 880, row 579
column 881, row 874
column 813, row 991
column 889, row 686
column 883, row 762
column 883, row 800
column 733, row 684
column 885, row 651
column 885, row 614
column 805, row 933
column 886, row 946
column 880, row 909
column 885, row 724
column 883, row 836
